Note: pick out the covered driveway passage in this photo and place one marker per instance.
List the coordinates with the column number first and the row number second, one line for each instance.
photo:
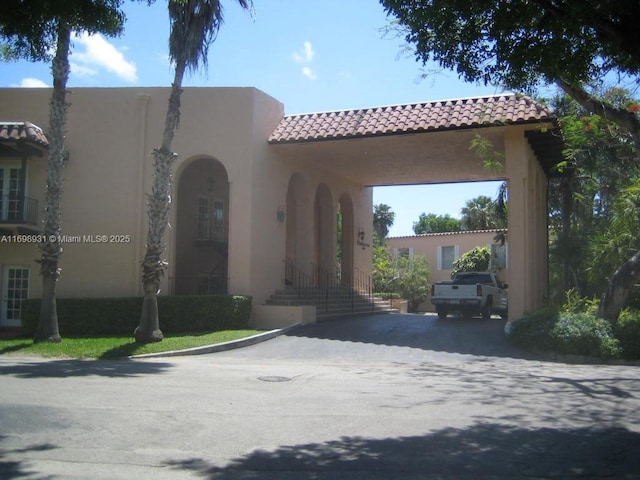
column 429, row 143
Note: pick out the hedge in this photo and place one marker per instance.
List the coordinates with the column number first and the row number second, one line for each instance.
column 120, row 316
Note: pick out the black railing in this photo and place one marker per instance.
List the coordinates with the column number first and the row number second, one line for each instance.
column 18, row 209
column 327, row 287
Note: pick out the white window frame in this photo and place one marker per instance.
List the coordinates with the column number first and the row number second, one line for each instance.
column 4, row 308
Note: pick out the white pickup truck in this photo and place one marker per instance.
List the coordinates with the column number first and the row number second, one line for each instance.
column 470, row 293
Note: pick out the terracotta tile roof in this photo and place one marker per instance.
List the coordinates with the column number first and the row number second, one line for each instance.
column 411, row 118
column 23, row 132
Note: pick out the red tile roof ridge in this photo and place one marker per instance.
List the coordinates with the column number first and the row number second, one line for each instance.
column 433, row 103
column 459, row 232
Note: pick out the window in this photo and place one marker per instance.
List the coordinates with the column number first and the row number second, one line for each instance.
column 498, row 257
column 447, row 255
column 203, row 218
column 218, row 221
column 15, row 290
column 211, row 223
column 10, row 194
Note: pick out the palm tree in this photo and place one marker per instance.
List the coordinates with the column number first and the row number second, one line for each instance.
column 478, row 214
column 51, row 249
column 383, row 219
column 194, row 26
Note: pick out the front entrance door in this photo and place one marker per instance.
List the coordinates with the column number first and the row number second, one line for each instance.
column 15, row 289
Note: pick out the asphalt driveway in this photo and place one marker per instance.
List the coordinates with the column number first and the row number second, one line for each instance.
column 383, row 397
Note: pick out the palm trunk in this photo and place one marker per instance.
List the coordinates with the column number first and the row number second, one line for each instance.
column 51, row 249
column 619, row 288
column 158, row 208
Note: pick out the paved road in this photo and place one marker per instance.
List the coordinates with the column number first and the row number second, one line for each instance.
column 385, row 397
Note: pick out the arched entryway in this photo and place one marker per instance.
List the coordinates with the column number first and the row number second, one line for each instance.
column 202, row 245
column 324, row 243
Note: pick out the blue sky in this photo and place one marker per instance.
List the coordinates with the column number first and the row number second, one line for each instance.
column 310, row 55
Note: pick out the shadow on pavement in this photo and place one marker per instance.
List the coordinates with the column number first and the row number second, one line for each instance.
column 480, row 451
column 16, row 469
column 77, row 368
column 473, row 336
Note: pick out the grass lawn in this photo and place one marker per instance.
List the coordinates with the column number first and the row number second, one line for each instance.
column 116, row 347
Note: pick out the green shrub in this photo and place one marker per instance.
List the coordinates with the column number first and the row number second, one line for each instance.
column 584, row 334
column 120, row 316
column 627, row 331
column 566, row 333
column 532, row 332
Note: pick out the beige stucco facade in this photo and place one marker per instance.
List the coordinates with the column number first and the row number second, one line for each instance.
column 243, row 207
column 441, row 249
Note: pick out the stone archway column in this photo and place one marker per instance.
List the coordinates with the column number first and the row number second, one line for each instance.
column 528, row 279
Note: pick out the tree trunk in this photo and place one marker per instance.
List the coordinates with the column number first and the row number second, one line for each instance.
column 620, row 286
column 51, row 249
column 158, row 208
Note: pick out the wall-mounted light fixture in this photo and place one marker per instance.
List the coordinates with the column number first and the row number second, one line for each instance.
column 361, row 235
column 209, row 183
column 280, row 214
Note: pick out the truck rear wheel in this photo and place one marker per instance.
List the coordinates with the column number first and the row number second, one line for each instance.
column 442, row 312
column 487, row 310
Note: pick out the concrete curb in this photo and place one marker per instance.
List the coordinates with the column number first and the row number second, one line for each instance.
column 221, row 347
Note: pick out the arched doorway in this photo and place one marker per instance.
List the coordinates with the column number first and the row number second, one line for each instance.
column 202, row 245
column 324, row 237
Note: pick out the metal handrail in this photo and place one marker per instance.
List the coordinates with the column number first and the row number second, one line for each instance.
column 329, row 286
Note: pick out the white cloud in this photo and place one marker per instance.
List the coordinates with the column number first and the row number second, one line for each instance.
column 310, row 74
column 82, row 70
column 100, row 54
column 31, row 83
column 306, row 54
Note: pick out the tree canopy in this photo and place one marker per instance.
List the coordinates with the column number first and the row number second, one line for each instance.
column 519, row 43
column 29, row 28
column 432, row 223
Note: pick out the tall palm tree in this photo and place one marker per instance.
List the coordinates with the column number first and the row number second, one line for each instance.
column 478, row 214
column 383, row 219
column 51, row 249
column 194, row 27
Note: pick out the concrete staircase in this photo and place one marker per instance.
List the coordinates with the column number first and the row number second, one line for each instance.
column 331, row 302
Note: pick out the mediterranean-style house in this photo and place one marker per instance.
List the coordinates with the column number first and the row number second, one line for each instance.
column 256, row 192
column 443, row 249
